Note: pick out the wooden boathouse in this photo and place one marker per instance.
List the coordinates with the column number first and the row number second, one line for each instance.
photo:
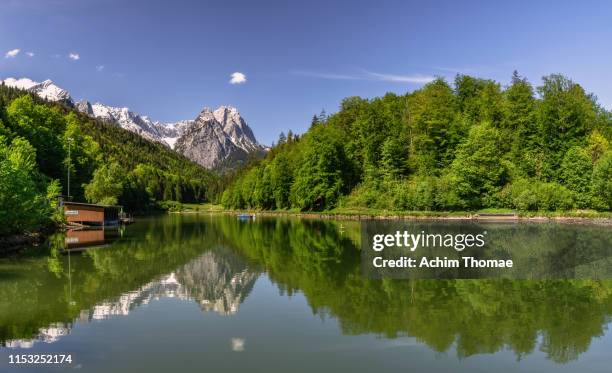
column 91, row 214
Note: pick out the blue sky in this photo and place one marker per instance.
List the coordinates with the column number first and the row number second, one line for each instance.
column 170, row 59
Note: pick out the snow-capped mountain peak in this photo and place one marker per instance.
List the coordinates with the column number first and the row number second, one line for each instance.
column 128, row 120
column 236, row 128
column 214, row 138
column 47, row 89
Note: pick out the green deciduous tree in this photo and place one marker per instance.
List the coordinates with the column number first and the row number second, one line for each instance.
column 84, row 156
column 433, row 126
column 602, row 181
column 106, row 185
column 321, row 177
column 478, row 167
column 282, row 179
column 23, row 195
column 41, row 125
column 394, row 157
column 520, row 125
column 565, row 116
column 576, row 170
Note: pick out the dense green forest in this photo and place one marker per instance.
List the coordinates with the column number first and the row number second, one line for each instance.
column 466, row 146
column 108, row 164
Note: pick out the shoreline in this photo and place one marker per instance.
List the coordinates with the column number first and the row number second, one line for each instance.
column 17, row 242
column 598, row 218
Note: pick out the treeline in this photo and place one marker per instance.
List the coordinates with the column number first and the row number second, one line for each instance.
column 470, row 145
column 40, row 141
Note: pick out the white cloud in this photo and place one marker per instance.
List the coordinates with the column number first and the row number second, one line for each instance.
column 74, row 56
column 12, row 53
column 325, row 75
column 415, row 78
column 30, row 54
column 368, row 75
column 99, row 68
column 238, row 78
column 462, row 70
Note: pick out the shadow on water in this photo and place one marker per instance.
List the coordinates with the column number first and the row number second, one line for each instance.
column 215, row 261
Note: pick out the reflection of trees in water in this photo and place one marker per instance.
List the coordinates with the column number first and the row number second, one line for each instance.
column 40, row 292
column 321, row 260
column 476, row 316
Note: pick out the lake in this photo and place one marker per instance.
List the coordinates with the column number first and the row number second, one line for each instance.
column 214, row 293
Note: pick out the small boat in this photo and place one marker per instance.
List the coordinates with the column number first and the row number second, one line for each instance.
column 246, row 216
column 126, row 219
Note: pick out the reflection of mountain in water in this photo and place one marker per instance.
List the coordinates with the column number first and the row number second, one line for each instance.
column 49, row 334
column 218, row 281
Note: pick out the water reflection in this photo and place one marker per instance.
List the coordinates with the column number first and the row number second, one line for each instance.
column 89, row 238
column 49, row 334
column 215, row 262
column 558, row 317
column 218, row 280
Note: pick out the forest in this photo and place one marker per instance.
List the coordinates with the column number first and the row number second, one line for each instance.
column 40, row 141
column 473, row 144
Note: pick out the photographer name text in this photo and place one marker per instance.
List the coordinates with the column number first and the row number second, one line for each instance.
column 410, row 242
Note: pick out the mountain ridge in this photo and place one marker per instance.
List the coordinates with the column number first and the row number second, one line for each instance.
column 225, row 142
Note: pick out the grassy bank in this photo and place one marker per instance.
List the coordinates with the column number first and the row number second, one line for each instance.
column 172, row 206
column 366, row 213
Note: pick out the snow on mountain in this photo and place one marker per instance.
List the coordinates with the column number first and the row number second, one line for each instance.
column 236, row 128
column 84, row 107
column 215, row 139
column 128, row 120
column 47, row 89
column 218, row 139
column 171, row 132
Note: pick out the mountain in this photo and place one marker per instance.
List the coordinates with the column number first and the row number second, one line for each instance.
column 236, row 128
column 217, row 139
column 171, row 132
column 156, row 172
column 123, row 117
column 47, row 89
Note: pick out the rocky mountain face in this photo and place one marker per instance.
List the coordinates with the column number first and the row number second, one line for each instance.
column 171, row 132
column 219, row 139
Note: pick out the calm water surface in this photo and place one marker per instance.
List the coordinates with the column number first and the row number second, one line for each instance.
column 212, row 293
